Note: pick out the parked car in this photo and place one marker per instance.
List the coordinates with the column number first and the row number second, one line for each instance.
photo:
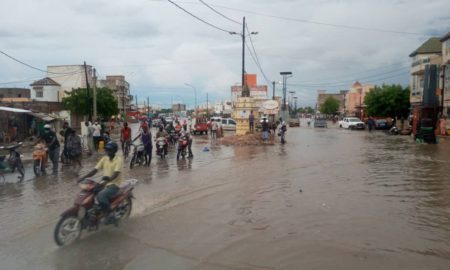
column 381, row 124
column 352, row 123
column 294, row 122
column 228, row 124
column 199, row 125
column 320, row 123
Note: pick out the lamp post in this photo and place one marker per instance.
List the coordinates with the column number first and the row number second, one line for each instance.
column 291, row 101
column 286, row 75
column 195, row 93
column 243, row 53
column 295, row 106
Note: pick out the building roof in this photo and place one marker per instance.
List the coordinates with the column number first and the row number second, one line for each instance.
column 45, row 81
column 447, row 36
column 432, row 45
column 357, row 85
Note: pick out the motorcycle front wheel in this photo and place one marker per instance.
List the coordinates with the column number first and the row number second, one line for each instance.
column 123, row 210
column 67, row 230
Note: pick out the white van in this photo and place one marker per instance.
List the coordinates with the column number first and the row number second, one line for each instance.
column 228, row 124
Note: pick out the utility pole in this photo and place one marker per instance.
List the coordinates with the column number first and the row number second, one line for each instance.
column 94, row 94
column 285, row 74
column 88, row 95
column 148, row 107
column 442, row 92
column 207, row 106
column 243, row 54
column 273, row 95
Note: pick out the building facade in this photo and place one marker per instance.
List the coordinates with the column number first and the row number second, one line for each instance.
column 121, row 89
column 178, row 107
column 322, row 95
column 46, row 90
column 429, row 53
column 70, row 77
column 445, row 79
column 7, row 93
column 354, row 99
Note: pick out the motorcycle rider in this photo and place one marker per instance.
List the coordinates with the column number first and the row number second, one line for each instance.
column 52, row 142
column 111, row 164
column 283, row 130
column 162, row 134
column 189, row 137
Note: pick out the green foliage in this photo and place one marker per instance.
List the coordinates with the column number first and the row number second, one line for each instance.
column 330, row 106
column 307, row 110
column 80, row 103
column 388, row 100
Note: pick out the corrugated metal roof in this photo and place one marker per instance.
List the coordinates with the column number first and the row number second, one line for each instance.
column 45, row 81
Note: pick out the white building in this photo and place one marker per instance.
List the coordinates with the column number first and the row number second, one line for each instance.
column 70, row 77
column 46, row 90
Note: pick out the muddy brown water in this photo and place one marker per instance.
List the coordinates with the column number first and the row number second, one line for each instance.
column 328, row 199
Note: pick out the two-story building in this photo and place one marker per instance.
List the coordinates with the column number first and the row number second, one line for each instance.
column 70, row 77
column 121, row 89
column 46, row 90
column 429, row 53
column 445, row 77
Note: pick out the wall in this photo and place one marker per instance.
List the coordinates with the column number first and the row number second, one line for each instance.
column 51, row 93
column 75, row 79
column 14, row 92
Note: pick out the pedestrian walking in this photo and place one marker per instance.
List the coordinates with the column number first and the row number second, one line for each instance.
column 443, row 125
column 146, row 138
column 96, row 134
column 265, row 130
column 214, row 127
column 251, row 122
column 370, row 123
column 89, row 137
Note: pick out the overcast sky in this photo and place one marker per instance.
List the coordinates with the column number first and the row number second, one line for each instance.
column 326, row 44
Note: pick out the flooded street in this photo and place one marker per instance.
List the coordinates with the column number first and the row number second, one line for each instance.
column 328, row 199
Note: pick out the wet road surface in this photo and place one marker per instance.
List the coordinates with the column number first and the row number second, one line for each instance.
column 328, row 199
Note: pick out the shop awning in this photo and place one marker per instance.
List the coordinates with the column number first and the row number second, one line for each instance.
column 9, row 109
column 43, row 116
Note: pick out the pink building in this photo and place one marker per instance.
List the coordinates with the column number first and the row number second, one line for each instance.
column 354, row 99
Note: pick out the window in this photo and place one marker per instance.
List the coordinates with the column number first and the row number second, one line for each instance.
column 39, row 93
column 224, row 121
column 232, row 122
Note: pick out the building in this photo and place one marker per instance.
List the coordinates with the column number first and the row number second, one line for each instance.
column 322, row 95
column 354, row 99
column 178, row 107
column 46, row 90
column 429, row 53
column 70, row 77
column 256, row 91
column 7, row 93
column 446, row 79
column 121, row 89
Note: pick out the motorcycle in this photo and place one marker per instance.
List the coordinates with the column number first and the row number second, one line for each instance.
column 13, row 161
column 85, row 214
column 393, row 130
column 40, row 157
column 161, row 147
column 182, row 146
column 173, row 137
column 138, row 155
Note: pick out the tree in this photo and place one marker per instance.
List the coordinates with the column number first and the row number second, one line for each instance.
column 78, row 102
column 330, row 106
column 388, row 100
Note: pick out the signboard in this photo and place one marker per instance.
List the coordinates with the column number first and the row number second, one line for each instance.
column 270, row 107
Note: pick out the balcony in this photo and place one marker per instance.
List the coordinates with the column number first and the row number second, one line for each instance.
column 418, row 66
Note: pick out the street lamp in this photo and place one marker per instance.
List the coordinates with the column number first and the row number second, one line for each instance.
column 243, row 53
column 286, row 75
column 295, row 101
column 195, row 93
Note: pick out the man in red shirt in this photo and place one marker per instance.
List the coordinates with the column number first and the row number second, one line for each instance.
column 125, row 138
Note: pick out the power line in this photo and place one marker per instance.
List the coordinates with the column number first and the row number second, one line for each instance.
column 198, row 18
column 32, row 67
column 256, row 56
column 221, row 14
column 322, row 23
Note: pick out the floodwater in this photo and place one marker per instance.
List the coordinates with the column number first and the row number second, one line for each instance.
column 328, row 199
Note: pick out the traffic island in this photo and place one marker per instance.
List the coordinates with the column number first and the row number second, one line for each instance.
column 247, row 139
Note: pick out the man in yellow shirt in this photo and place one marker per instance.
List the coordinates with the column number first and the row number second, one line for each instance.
column 111, row 164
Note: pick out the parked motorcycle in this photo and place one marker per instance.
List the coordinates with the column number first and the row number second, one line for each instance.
column 393, row 130
column 13, row 162
column 40, row 157
column 182, row 146
column 138, row 155
column 161, row 147
column 85, row 214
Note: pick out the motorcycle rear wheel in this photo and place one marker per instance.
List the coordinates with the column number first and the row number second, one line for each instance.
column 67, row 230
column 123, row 210
column 37, row 167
